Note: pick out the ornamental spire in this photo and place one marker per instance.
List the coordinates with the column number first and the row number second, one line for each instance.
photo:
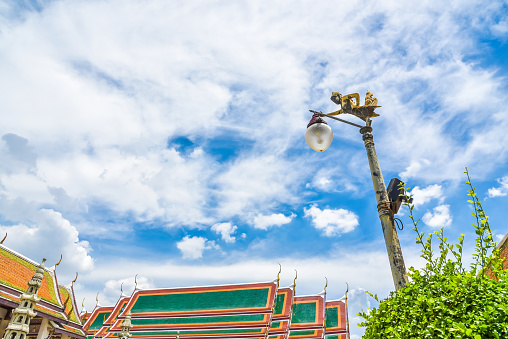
column 18, row 327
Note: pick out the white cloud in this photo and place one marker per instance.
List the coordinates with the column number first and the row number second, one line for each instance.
column 414, row 168
column 266, row 221
column 26, row 185
column 322, row 183
column 51, row 235
column 255, row 183
column 422, row 196
column 97, row 88
column 120, row 105
column 439, row 217
column 332, row 222
column 501, row 28
column 113, row 287
column 500, row 191
column 225, row 229
column 193, row 247
column 155, row 184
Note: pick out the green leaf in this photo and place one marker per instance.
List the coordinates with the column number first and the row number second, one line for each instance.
column 445, row 299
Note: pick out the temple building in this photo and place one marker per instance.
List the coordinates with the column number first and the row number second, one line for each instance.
column 32, row 302
column 255, row 310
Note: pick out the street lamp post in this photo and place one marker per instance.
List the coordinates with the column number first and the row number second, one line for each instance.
column 319, row 136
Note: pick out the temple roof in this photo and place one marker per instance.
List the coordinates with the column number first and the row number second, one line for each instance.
column 253, row 310
column 57, row 301
column 231, row 311
column 229, row 299
column 16, row 270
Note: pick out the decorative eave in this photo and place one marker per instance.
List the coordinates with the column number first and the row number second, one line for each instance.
column 11, row 297
column 94, row 316
column 116, row 310
column 260, row 321
column 65, row 329
column 67, row 293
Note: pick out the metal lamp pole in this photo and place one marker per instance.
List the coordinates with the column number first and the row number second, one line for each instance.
column 319, row 136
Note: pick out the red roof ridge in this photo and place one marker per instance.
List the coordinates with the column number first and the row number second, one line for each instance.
column 206, row 286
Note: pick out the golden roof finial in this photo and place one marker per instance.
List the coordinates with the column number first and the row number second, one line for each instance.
column 83, row 309
column 347, row 318
column 326, row 285
column 135, row 282
column 294, row 282
column 1, row 242
column 75, row 279
column 58, row 263
column 278, row 275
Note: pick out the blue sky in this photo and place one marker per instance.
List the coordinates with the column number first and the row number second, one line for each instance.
column 166, row 138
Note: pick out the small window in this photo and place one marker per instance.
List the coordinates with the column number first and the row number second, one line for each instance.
column 25, row 304
column 27, row 320
column 13, row 335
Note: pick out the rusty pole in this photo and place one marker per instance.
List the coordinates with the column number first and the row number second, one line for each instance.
column 383, row 206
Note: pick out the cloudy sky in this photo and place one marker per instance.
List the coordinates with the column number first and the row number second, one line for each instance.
column 165, row 138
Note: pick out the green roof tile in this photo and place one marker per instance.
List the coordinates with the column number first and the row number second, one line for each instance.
column 99, row 320
column 332, row 317
column 304, row 313
column 279, row 304
column 215, row 300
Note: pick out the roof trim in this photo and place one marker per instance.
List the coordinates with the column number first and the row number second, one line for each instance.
column 502, row 244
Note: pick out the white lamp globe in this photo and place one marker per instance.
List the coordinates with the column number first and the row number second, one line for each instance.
column 318, row 135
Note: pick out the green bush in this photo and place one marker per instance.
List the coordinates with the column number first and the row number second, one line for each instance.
column 444, row 299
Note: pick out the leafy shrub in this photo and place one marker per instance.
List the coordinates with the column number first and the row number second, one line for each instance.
column 444, row 299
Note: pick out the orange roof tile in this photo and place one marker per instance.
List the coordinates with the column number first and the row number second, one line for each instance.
column 16, row 271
